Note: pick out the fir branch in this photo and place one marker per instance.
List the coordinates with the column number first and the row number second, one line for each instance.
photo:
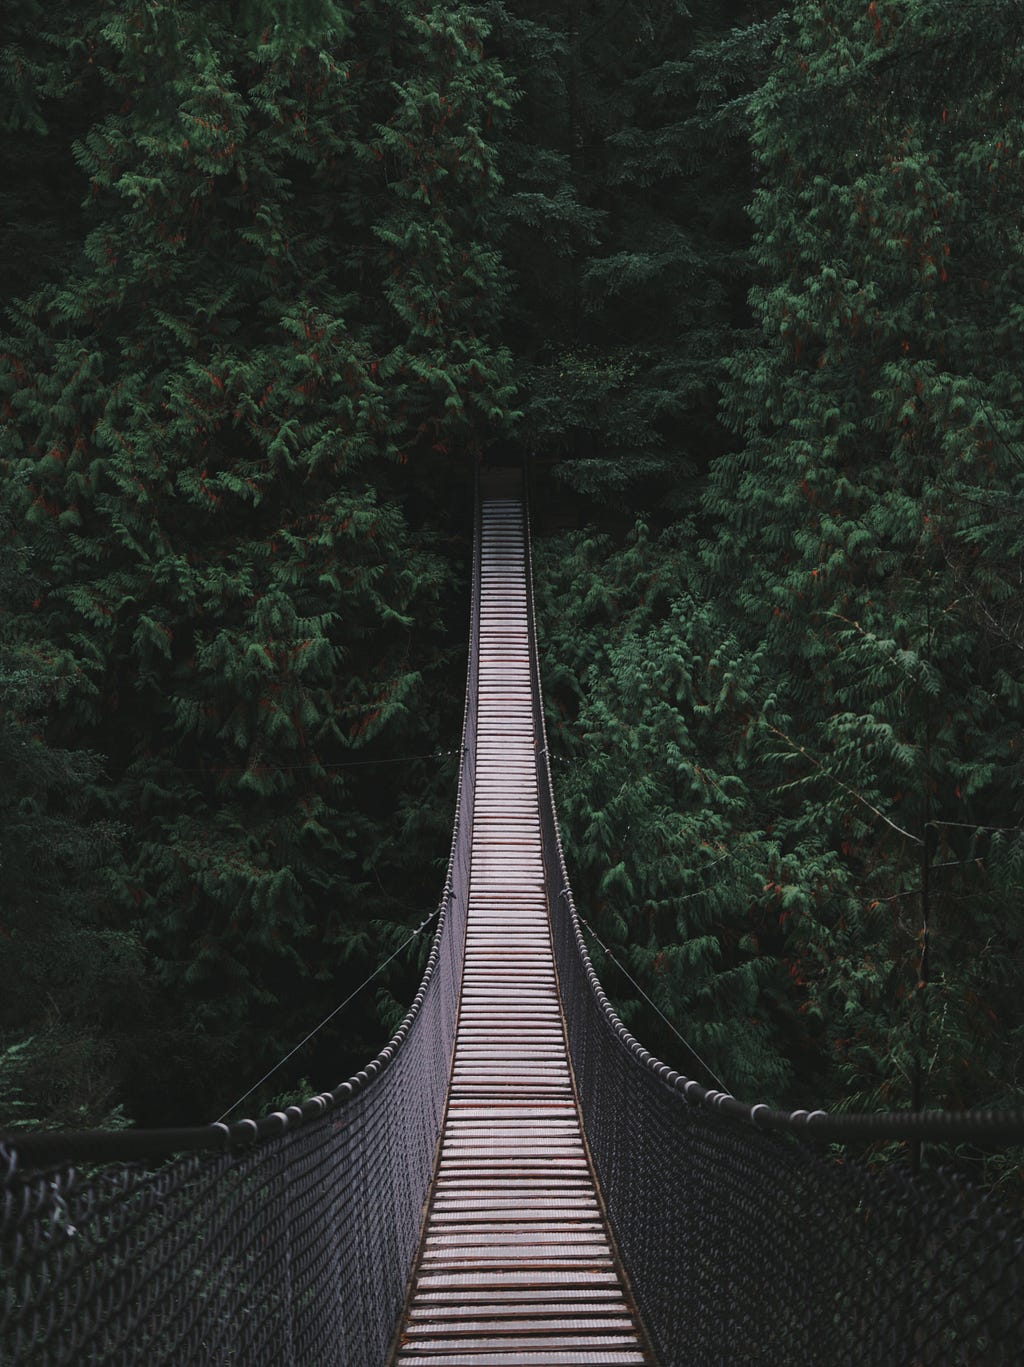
column 858, row 797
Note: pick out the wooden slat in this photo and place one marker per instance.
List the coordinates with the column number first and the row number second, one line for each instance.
column 516, row 1265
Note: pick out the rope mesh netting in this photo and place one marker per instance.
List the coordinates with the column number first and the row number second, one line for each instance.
column 749, row 1246
column 291, row 1244
column 746, row 1247
column 293, row 1251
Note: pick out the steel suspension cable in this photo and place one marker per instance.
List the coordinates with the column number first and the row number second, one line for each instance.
column 652, row 1004
column 328, row 1018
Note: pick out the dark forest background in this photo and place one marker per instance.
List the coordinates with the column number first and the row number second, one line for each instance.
column 746, row 281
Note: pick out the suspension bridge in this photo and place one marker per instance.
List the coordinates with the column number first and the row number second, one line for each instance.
column 513, row 1179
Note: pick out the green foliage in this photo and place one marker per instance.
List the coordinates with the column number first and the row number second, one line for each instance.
column 71, row 978
column 658, row 804
column 625, row 232
column 44, row 100
column 260, row 326
column 867, row 537
column 238, row 429
column 813, row 733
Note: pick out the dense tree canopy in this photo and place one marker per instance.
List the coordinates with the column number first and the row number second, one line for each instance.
column 279, row 310
column 811, row 726
column 747, row 281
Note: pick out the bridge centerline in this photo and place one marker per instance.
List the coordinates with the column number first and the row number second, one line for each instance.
column 516, row 1264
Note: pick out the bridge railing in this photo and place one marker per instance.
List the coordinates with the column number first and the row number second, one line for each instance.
column 288, row 1239
column 743, row 1240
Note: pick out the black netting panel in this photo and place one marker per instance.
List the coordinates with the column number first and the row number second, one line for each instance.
column 745, row 1246
column 294, row 1248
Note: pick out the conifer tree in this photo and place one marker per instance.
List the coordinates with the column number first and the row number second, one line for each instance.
column 653, row 772
column 868, row 533
column 662, row 814
column 43, row 107
column 827, row 696
column 277, row 331
column 73, row 987
column 628, row 172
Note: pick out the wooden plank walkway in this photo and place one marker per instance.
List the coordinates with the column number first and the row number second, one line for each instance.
column 516, row 1266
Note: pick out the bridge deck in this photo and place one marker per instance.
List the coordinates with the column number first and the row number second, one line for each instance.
column 516, row 1266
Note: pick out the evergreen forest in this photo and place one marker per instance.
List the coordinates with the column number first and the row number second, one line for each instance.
column 744, row 280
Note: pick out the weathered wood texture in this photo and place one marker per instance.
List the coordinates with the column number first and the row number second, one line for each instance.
column 516, row 1265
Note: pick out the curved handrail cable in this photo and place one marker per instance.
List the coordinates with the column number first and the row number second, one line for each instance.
column 649, row 1000
column 414, row 935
